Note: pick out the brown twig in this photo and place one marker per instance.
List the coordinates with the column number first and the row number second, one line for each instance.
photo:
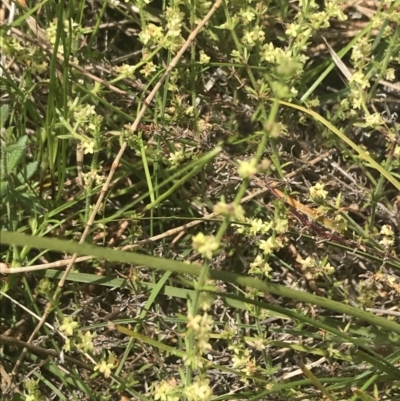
column 43, row 351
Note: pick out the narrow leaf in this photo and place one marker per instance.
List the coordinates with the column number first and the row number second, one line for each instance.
column 15, row 156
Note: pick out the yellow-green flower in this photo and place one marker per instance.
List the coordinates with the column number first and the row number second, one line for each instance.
column 205, row 245
column 247, row 169
column 69, row 325
column 317, row 192
column 204, row 59
column 104, row 367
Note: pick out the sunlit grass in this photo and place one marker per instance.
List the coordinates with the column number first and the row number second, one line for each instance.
column 196, row 288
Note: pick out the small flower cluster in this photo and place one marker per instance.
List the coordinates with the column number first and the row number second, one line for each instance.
column 362, row 53
column 166, row 390
column 382, row 276
column 253, row 228
column 83, row 341
column 77, row 339
column 318, row 192
column 202, row 7
column 125, row 71
column 271, row 245
column 249, row 168
column 316, row 268
column 387, row 234
column 30, row 56
column 199, row 390
column 201, row 325
column 340, row 223
column 260, row 267
column 242, row 360
column 87, row 125
column 70, row 28
column 32, row 390
column 175, row 158
column 374, row 120
column 151, row 34
column 205, row 244
column 309, row 20
column 168, row 37
column 367, row 292
column 230, row 211
column 105, row 366
column 199, row 328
